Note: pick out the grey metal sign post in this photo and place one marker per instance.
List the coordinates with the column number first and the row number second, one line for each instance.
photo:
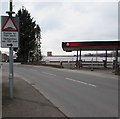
column 11, row 61
column 11, row 77
column 9, row 39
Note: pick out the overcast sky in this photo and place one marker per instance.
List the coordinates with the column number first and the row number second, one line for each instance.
column 61, row 20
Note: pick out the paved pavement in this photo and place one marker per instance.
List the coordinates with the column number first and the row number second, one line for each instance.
column 27, row 101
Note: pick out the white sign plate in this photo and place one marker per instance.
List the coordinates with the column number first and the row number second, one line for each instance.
column 9, row 38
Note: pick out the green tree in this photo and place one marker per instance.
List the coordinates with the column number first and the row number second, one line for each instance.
column 38, row 55
column 27, row 35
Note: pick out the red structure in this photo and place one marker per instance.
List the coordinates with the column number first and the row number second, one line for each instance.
column 92, row 46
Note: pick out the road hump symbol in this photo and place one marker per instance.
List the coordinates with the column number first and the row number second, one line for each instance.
column 9, row 25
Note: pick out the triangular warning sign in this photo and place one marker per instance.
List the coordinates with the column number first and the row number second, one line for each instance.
column 9, row 25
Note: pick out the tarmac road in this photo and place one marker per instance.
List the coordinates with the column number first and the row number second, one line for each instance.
column 75, row 93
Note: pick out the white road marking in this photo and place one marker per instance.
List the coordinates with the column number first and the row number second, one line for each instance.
column 89, row 84
column 49, row 73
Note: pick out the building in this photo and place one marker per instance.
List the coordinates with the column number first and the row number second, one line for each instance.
column 49, row 54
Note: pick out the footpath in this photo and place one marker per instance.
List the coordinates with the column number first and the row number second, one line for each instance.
column 27, row 101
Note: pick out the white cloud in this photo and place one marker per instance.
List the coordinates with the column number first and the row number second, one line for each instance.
column 63, row 0
column 63, row 22
column 73, row 21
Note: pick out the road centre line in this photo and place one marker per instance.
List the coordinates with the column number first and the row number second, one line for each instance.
column 89, row 84
column 49, row 73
